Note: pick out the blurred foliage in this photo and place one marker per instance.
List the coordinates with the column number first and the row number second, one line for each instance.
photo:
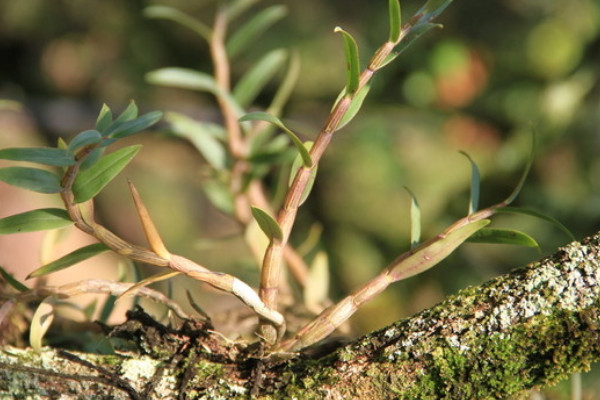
column 478, row 85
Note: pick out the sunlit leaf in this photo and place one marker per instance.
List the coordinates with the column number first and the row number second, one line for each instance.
column 415, row 220
column 316, row 288
column 502, row 236
column 413, row 34
column 475, row 185
column 172, row 14
column 70, row 259
column 262, row 116
column 267, row 224
column 40, row 322
column 134, row 126
column 250, row 31
column 83, row 139
column 205, row 136
column 35, row 220
column 183, row 78
column 355, row 105
column 41, row 155
column 395, row 20
column 37, row 180
column 352, row 61
column 430, row 253
column 91, row 181
column 254, row 81
column 104, row 118
column 12, row 281
column 537, row 214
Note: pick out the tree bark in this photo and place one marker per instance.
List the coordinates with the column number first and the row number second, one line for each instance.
column 526, row 329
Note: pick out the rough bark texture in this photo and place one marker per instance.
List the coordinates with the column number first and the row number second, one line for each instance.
column 529, row 328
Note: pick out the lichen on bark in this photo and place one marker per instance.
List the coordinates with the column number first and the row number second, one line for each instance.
column 526, row 329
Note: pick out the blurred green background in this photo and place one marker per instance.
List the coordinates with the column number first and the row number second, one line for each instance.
column 478, row 85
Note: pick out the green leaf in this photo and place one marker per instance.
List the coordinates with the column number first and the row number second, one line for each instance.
column 93, row 157
column 235, row 8
column 104, row 118
column 128, row 128
column 172, row 14
column 41, row 155
column 395, row 20
column 189, row 79
column 83, row 139
column 251, row 84
column 91, row 181
column 352, row 61
column 413, row 34
column 219, row 195
column 287, row 85
column 12, row 281
column 205, row 136
column 130, row 113
column 430, row 10
column 267, row 224
column 432, row 252
column 251, row 30
column 70, row 259
column 502, row 236
column 525, row 173
column 537, row 214
column 415, row 220
column 355, row 105
column 40, row 322
column 262, row 116
column 35, row 220
column 37, row 180
column 475, row 185
column 311, row 179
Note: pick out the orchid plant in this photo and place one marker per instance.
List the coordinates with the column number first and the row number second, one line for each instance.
column 82, row 170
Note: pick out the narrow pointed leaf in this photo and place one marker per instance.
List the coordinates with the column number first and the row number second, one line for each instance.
column 311, row 179
column 183, row 78
column 219, row 195
column 151, row 279
column 262, row 116
column 104, row 118
column 355, row 105
column 415, row 32
column 130, row 113
column 502, row 236
column 35, row 220
column 83, row 139
column 395, row 20
column 172, row 14
column 288, row 83
column 205, row 136
column 93, row 157
column 537, row 214
column 249, row 32
column 91, row 181
column 352, row 61
column 134, row 126
column 433, row 252
column 431, row 9
column 37, row 180
column 40, row 322
column 235, row 8
column 415, row 220
column 12, row 281
column 255, row 80
column 475, row 185
column 267, row 224
column 40, row 155
column 152, row 236
column 70, row 259
column 316, row 288
column 525, row 173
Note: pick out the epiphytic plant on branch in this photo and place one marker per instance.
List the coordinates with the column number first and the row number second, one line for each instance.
column 240, row 153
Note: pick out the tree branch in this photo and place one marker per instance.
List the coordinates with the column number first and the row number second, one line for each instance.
column 526, row 329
